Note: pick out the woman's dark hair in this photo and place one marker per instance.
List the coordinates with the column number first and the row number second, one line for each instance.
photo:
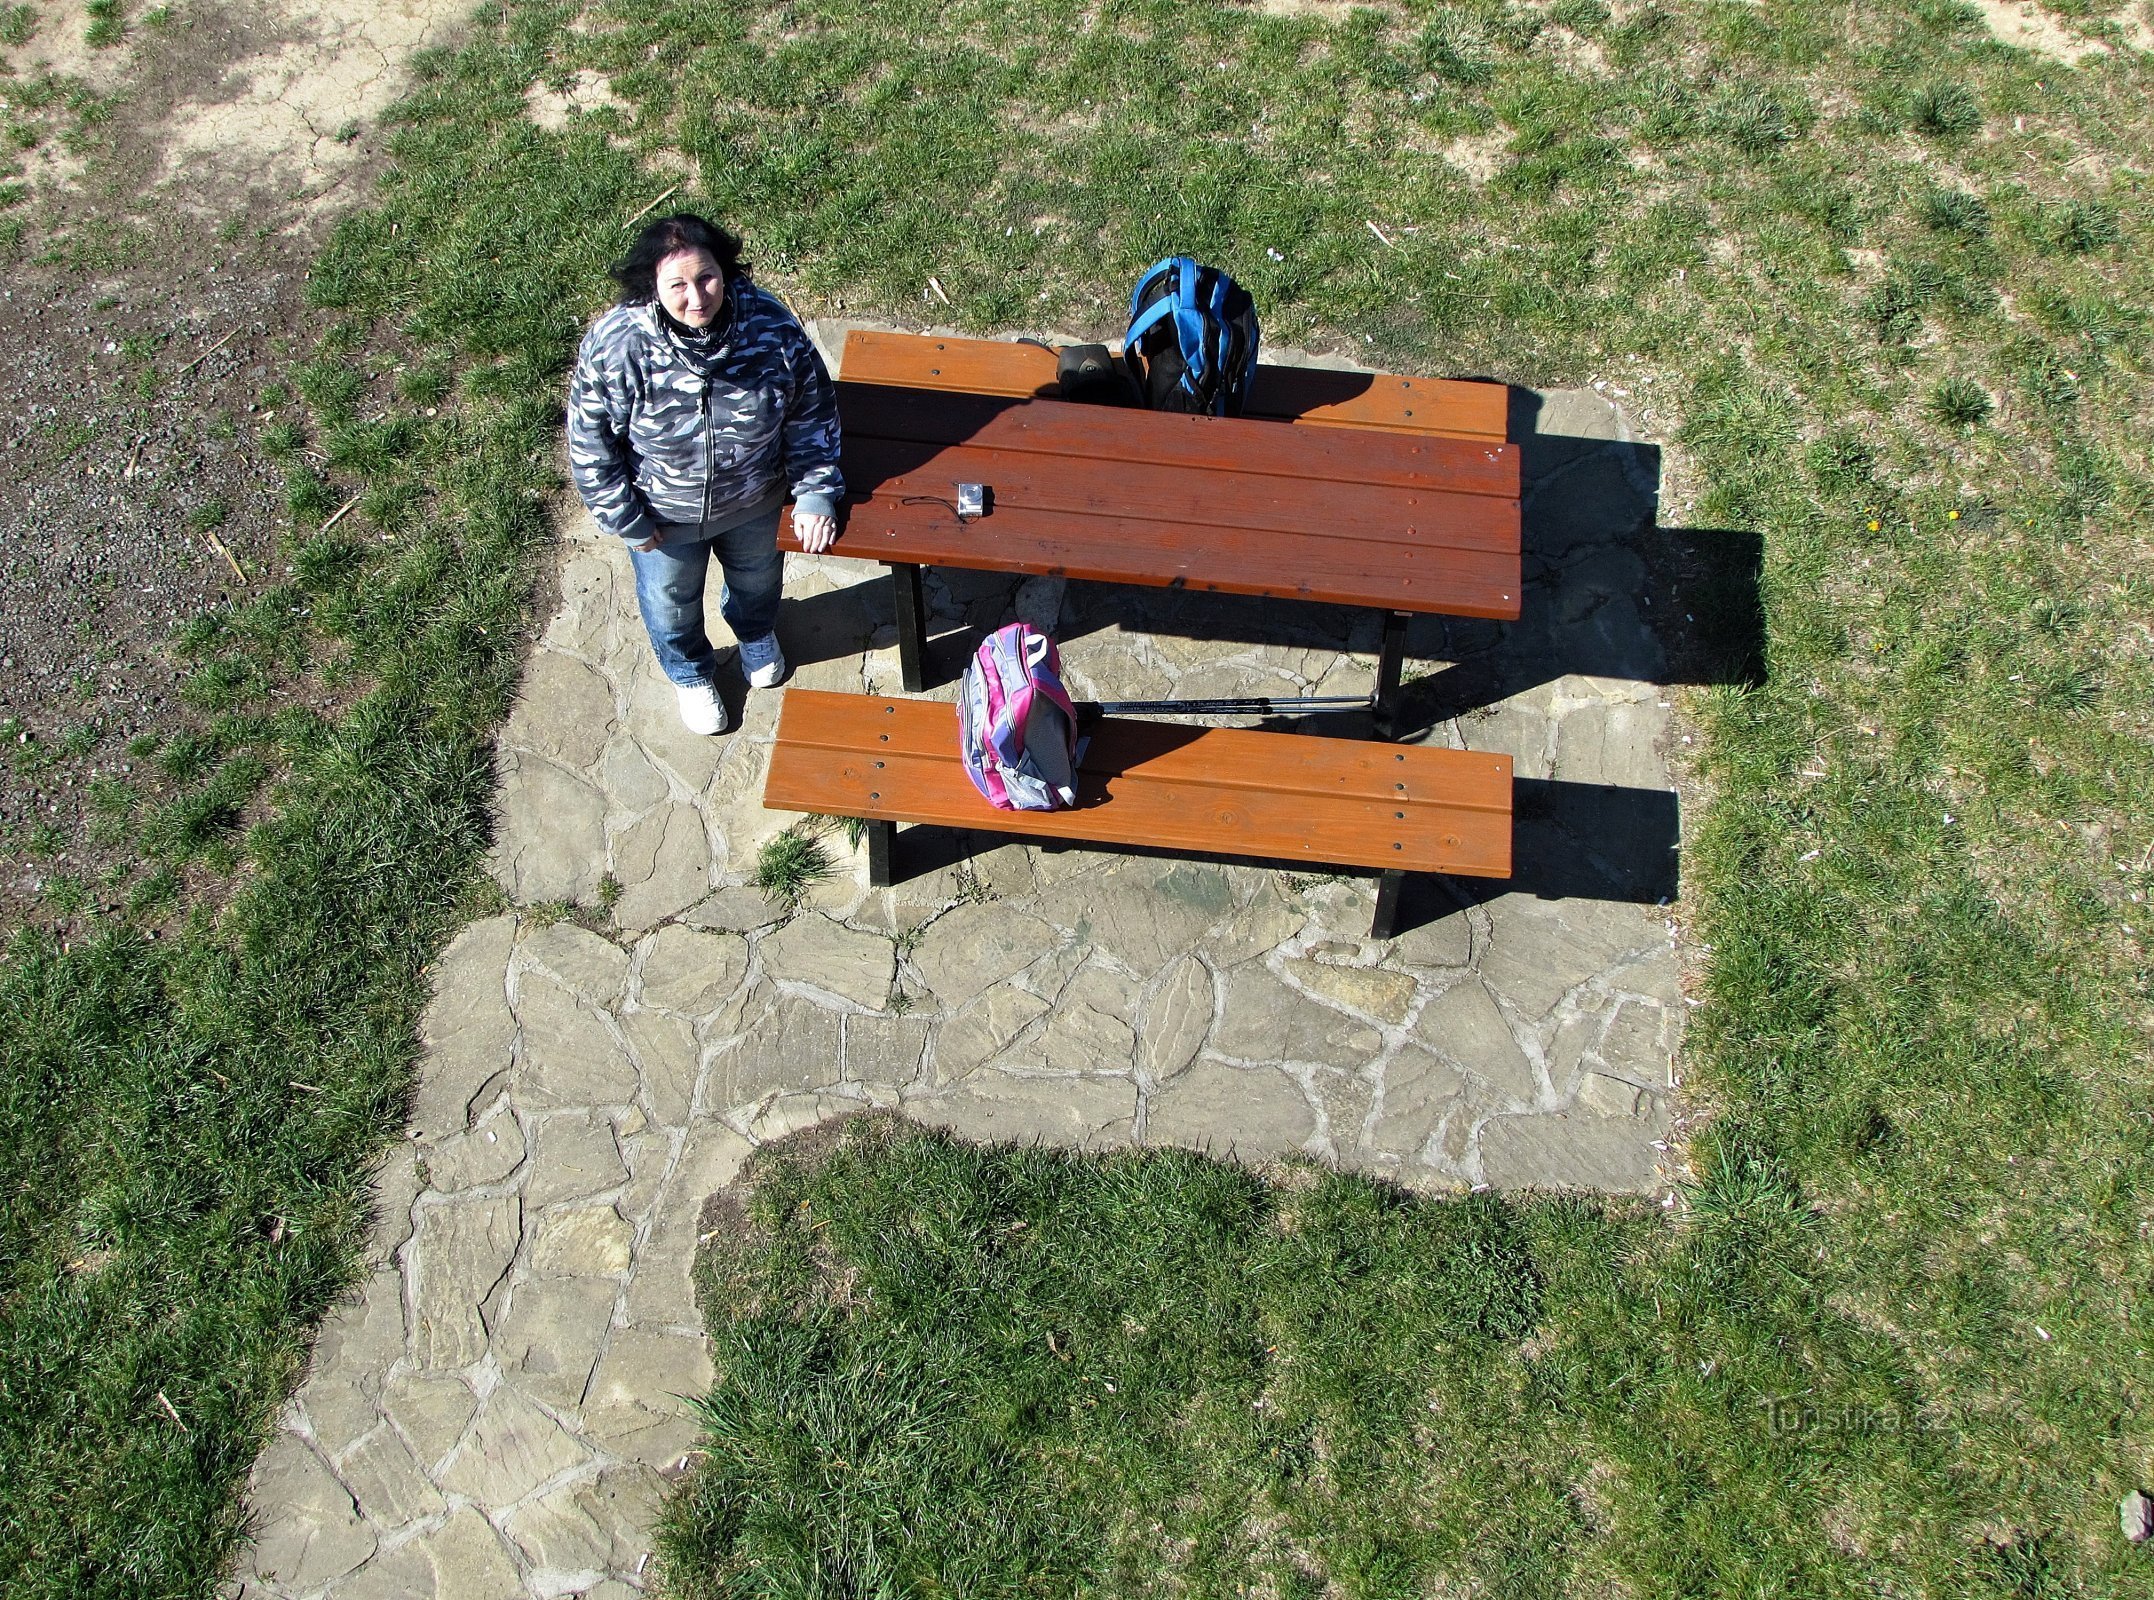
column 637, row 272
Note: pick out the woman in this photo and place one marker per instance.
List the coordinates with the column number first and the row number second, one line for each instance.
column 698, row 404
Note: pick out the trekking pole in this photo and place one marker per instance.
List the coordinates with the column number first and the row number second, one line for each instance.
column 1251, row 706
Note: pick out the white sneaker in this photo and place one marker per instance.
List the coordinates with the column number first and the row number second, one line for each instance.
column 701, row 709
column 762, row 661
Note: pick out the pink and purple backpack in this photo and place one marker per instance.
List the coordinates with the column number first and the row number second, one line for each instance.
column 1017, row 730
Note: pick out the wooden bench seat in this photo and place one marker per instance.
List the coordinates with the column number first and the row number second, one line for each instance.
column 1313, row 396
column 1210, row 791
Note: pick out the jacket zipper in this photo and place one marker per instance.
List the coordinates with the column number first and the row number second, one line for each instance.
column 710, row 447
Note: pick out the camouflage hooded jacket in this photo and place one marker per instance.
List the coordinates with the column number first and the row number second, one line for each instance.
column 651, row 440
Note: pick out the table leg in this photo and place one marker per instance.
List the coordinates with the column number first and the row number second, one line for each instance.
column 882, row 845
column 1385, row 924
column 911, row 627
column 1389, row 664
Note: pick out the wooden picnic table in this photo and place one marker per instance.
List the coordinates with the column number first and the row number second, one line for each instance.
column 1352, row 505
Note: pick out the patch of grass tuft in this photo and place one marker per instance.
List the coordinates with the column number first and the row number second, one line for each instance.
column 1959, row 402
column 791, row 864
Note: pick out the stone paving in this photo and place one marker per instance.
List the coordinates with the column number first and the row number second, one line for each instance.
column 498, row 1410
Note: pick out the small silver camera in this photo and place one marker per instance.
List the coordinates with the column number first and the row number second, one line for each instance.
column 971, row 501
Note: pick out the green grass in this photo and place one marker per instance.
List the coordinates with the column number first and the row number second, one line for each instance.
column 1897, row 1342
column 791, row 864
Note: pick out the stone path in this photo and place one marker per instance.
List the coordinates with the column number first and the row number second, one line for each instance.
column 498, row 1411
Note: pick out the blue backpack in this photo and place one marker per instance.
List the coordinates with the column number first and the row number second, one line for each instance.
column 1192, row 340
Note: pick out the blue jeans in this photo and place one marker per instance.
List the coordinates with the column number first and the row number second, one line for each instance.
column 669, row 591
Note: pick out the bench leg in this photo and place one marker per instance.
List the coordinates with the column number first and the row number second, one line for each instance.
column 882, row 846
column 1390, row 663
column 911, row 627
column 1385, row 924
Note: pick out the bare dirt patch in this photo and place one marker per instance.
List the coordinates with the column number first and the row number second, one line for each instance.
column 181, row 182
column 2028, row 26
column 587, row 91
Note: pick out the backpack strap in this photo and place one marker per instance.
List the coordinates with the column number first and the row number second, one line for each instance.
column 1136, row 295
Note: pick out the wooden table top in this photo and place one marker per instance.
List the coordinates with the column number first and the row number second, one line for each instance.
column 1350, row 515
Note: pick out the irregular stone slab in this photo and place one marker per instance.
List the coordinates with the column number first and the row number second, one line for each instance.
column 468, row 1558
column 463, row 1249
column 1075, row 1038
column 884, row 1049
column 665, row 1048
column 993, row 1107
column 1464, row 1023
column 1445, row 942
column 1251, row 1112
column 565, row 712
column 1386, row 996
column 594, row 970
column 1616, row 745
column 469, row 1033
column 570, row 1057
column 431, row 1410
column 1177, row 1020
column 661, row 1294
column 1420, row 1090
column 399, row 1574
column 1652, row 972
column 648, row 1154
column 969, row 1039
column 578, row 1154
column 584, row 625
column 793, row 1045
column 311, row 1533
column 790, row 1113
column 593, row 1525
column 1639, row 1041
column 1525, row 733
column 829, row 956
column 740, row 909
column 582, row 1242
column 637, row 1405
column 489, row 1152
column 397, row 1183
column 1264, row 1019
column 1544, row 1152
column 552, row 838
column 550, row 1336
column 1540, row 950
column 357, row 1343
column 977, row 946
column 629, row 780
column 1140, row 913
column 385, row 1480
column 1260, row 927
column 1609, row 1096
column 1345, row 1099
column 663, row 864
column 654, row 722
column 691, row 972
column 510, row 1449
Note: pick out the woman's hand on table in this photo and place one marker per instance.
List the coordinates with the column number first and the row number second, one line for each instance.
column 816, row 534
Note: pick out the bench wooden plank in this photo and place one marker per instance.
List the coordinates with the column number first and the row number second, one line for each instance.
column 1224, row 791
column 1312, row 396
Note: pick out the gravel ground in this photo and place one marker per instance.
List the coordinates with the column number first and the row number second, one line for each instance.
column 131, row 456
